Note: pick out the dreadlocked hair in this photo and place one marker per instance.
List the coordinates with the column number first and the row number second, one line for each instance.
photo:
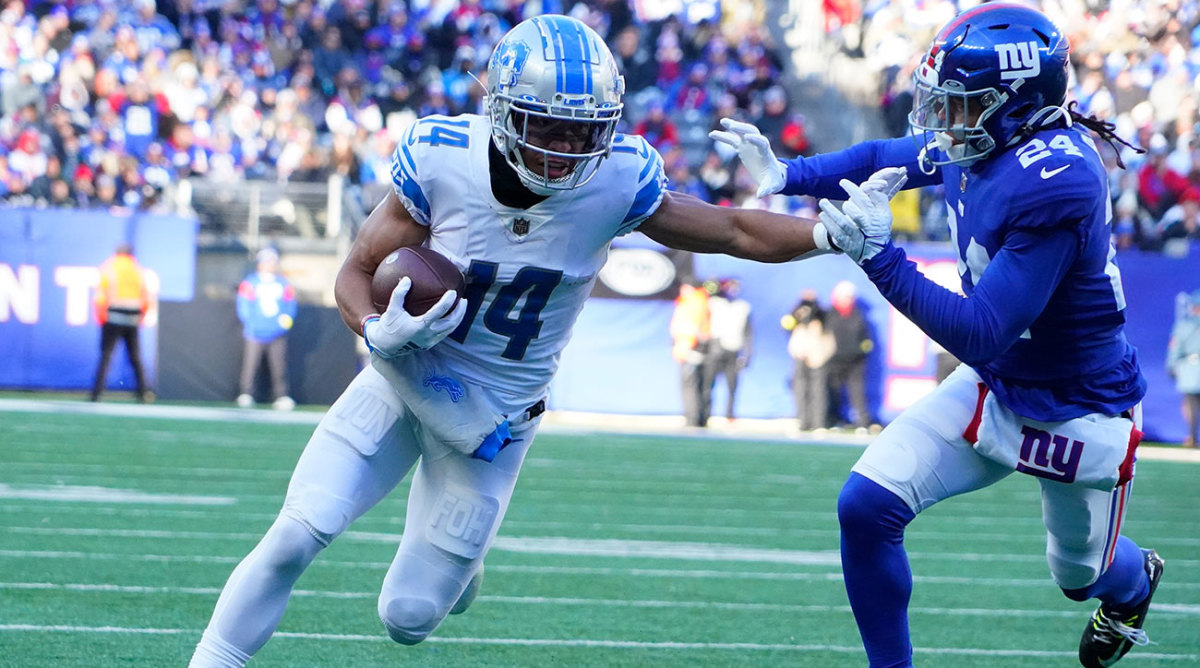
column 1104, row 129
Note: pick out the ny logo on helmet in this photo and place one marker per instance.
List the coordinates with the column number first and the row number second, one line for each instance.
column 1018, row 60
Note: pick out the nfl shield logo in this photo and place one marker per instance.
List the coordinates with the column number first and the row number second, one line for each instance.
column 520, row 226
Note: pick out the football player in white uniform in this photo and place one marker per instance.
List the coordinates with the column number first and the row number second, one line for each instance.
column 526, row 201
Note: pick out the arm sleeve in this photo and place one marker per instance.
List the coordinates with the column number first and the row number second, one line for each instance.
column 406, row 182
column 819, row 175
column 651, row 184
column 1011, row 293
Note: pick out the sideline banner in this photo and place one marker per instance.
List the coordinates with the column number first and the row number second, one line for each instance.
column 619, row 360
column 49, row 262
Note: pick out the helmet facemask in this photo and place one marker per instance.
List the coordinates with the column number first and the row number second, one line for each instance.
column 554, row 96
column 552, row 148
column 956, row 118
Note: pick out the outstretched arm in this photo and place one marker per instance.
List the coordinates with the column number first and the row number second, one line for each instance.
column 820, row 175
column 691, row 224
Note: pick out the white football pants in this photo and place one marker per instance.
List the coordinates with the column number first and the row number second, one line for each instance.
column 922, row 457
column 362, row 448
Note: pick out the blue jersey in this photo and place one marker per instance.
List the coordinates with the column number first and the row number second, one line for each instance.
column 266, row 305
column 1043, row 319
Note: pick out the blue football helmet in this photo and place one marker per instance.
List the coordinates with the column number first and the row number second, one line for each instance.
column 554, row 93
column 993, row 75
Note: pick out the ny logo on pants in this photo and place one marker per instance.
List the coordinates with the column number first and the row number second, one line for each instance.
column 1038, row 458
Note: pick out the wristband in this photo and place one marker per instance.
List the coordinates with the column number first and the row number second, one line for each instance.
column 821, row 238
column 362, row 327
column 362, row 324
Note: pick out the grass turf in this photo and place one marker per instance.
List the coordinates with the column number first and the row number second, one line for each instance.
column 617, row 550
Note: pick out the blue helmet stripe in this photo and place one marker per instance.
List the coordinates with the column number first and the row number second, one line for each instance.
column 572, row 67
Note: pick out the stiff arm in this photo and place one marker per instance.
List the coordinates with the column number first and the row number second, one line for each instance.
column 689, row 223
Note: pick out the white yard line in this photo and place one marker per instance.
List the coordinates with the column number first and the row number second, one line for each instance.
column 610, row 644
column 829, row 576
column 1188, row 610
column 553, row 422
column 574, row 546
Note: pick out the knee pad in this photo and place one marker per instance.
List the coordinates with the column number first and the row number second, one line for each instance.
column 409, row 620
column 323, row 515
column 1072, row 577
column 865, row 505
column 289, row 545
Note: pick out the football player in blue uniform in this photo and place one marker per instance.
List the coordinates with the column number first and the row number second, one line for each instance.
column 526, row 201
column 1049, row 386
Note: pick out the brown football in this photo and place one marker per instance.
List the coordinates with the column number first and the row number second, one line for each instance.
column 431, row 272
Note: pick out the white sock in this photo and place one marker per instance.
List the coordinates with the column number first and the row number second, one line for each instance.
column 254, row 598
column 212, row 652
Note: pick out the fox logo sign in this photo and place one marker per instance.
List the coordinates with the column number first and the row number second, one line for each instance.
column 1018, row 60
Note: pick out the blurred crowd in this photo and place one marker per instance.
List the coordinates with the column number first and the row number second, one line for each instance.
column 1135, row 64
column 106, row 104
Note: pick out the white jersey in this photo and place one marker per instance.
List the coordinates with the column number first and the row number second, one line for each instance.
column 528, row 271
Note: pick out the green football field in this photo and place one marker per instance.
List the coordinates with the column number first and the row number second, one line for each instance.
column 119, row 527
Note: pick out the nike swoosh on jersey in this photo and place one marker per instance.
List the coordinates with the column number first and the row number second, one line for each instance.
column 1048, row 174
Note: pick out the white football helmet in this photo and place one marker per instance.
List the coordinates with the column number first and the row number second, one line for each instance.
column 554, row 93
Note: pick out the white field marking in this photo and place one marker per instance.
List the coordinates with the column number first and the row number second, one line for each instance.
column 1177, row 607
column 135, row 533
column 577, row 601
column 577, row 547
column 607, row 424
column 1158, row 541
column 563, row 570
column 59, row 468
column 98, row 509
column 580, row 642
column 106, row 495
column 1038, row 538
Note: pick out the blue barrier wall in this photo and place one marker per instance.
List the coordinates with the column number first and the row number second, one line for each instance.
column 620, row 361
column 49, row 262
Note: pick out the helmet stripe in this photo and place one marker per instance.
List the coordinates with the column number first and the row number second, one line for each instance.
column 569, row 42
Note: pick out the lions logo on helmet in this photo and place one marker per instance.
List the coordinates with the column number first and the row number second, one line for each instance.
column 554, row 98
column 993, row 75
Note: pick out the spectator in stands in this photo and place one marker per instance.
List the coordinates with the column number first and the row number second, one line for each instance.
column 1159, row 187
column 773, row 116
column 1183, row 360
column 122, row 300
column 847, row 367
column 266, row 307
column 794, row 137
column 810, row 346
column 732, row 339
column 635, row 60
column 717, row 175
column 1182, row 221
column 658, row 128
column 692, row 93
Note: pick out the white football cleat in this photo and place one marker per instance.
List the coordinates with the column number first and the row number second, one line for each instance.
column 284, row 403
column 245, row 401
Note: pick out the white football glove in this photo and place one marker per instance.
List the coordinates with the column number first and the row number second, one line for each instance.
column 396, row 332
column 755, row 151
column 864, row 224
